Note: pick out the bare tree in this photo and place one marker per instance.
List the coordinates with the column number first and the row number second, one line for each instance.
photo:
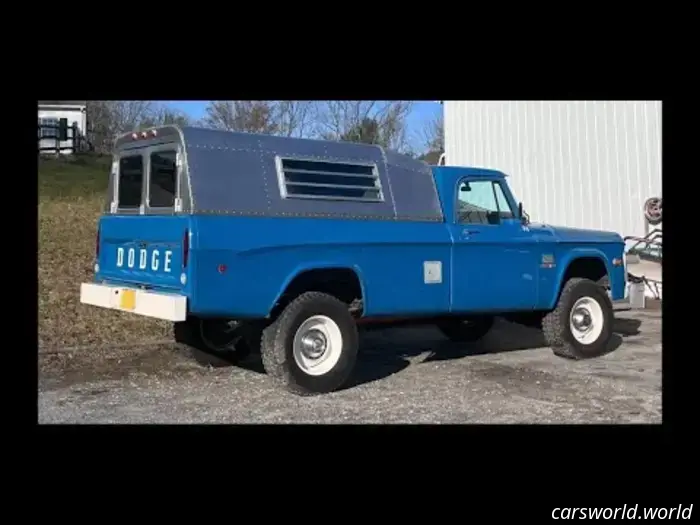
column 367, row 131
column 343, row 120
column 432, row 137
column 108, row 118
column 253, row 116
column 335, row 118
column 163, row 116
column 293, row 117
column 393, row 124
column 433, row 134
column 290, row 118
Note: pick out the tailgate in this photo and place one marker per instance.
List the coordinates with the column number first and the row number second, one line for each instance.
column 144, row 250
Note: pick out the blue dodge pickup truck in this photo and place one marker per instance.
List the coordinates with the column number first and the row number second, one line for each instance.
column 288, row 247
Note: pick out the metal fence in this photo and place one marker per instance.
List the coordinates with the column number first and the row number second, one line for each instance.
column 58, row 138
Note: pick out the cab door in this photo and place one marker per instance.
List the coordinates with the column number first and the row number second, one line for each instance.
column 495, row 257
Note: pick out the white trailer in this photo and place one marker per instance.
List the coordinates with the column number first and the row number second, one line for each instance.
column 587, row 164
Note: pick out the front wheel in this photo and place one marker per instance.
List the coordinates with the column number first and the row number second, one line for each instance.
column 312, row 346
column 580, row 326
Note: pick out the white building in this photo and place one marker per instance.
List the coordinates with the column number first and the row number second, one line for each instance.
column 580, row 164
column 50, row 114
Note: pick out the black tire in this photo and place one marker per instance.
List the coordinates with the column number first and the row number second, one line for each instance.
column 277, row 347
column 466, row 330
column 557, row 324
column 191, row 334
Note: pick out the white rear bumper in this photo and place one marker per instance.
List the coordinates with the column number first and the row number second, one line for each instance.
column 159, row 305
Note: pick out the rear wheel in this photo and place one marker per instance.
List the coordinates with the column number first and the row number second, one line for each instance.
column 466, row 330
column 581, row 324
column 230, row 340
column 311, row 348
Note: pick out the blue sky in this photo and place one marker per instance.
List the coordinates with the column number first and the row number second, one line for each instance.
column 422, row 112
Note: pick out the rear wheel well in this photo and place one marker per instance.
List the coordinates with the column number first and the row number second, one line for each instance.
column 591, row 268
column 341, row 283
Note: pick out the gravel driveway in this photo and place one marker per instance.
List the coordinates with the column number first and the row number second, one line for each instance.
column 408, row 375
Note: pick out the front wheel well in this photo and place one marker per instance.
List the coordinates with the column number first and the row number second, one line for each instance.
column 341, row 283
column 592, row 268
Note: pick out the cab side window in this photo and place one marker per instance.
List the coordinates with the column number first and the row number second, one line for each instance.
column 482, row 202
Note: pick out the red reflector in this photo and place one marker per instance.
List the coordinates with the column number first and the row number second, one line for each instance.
column 222, row 268
column 185, row 248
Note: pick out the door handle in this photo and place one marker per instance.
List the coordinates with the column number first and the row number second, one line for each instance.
column 467, row 232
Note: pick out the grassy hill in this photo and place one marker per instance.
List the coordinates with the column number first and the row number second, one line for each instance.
column 84, row 176
column 71, row 197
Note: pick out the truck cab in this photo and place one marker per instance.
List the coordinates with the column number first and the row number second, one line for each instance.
column 519, row 264
column 288, row 247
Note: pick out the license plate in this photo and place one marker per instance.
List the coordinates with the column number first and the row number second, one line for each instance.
column 128, row 299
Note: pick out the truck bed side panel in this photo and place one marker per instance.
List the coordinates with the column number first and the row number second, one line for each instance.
column 262, row 255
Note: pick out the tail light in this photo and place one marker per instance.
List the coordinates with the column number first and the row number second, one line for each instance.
column 144, row 134
column 97, row 244
column 185, row 248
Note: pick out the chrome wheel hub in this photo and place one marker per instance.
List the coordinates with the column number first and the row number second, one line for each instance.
column 317, row 345
column 587, row 320
column 582, row 319
column 313, row 344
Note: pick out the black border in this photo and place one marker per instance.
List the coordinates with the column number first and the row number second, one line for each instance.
column 472, row 451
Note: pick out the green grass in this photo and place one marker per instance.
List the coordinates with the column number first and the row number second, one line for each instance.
column 83, row 176
column 71, row 197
